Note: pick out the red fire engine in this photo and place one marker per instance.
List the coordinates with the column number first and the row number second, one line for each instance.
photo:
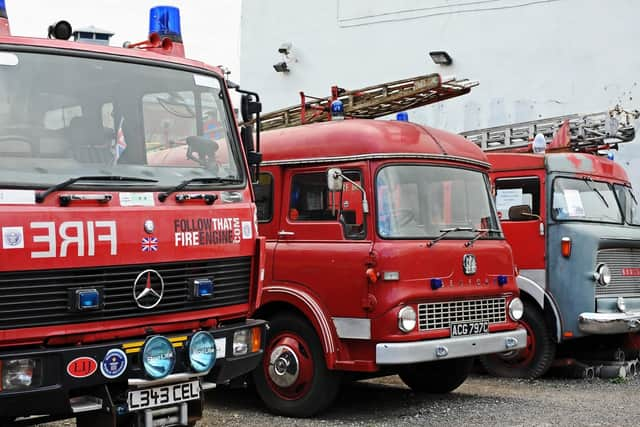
column 125, row 285
column 384, row 251
column 573, row 221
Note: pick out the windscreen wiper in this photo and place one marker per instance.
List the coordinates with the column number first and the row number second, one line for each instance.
column 588, row 180
column 204, row 180
column 446, row 231
column 481, row 232
column 64, row 184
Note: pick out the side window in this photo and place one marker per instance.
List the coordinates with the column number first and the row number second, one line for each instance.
column 513, row 192
column 311, row 200
column 264, row 197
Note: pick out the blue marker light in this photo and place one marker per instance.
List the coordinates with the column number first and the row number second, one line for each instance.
column 610, row 155
column 3, row 9
column 502, row 280
column 204, row 287
column 402, row 116
column 436, row 284
column 165, row 20
column 87, row 299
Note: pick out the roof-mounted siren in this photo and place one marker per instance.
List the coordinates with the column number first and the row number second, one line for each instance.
column 164, row 22
column 4, row 20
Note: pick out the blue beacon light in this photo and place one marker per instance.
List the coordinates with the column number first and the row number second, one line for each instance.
column 165, row 20
column 436, row 283
column 402, row 116
column 3, row 9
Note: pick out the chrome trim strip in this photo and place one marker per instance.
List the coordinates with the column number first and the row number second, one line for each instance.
column 373, row 156
column 425, row 351
column 609, row 323
column 352, row 328
column 169, row 379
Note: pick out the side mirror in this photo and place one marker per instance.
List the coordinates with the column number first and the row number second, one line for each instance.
column 246, row 134
column 520, row 213
column 334, row 179
column 249, row 107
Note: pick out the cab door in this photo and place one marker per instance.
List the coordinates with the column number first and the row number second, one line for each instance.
column 526, row 234
column 323, row 240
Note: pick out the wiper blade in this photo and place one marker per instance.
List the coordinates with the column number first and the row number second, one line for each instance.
column 588, row 181
column 446, row 231
column 64, row 184
column 481, row 232
column 204, row 180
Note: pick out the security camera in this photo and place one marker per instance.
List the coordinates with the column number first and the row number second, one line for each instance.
column 285, row 48
column 281, row 67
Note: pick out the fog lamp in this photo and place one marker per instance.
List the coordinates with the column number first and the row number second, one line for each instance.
column 516, row 309
column 241, row 342
column 19, row 374
column 407, row 319
column 202, row 351
column 158, row 357
column 621, row 304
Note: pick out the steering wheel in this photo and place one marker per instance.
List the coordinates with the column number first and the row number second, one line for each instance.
column 402, row 217
column 22, row 138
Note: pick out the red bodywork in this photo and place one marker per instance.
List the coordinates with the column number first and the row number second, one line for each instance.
column 312, row 269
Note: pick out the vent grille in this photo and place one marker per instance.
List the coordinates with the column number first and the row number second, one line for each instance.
column 617, row 260
column 440, row 315
column 40, row 298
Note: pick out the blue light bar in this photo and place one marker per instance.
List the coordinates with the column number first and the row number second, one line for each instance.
column 502, row 280
column 87, row 299
column 436, row 284
column 3, row 9
column 165, row 20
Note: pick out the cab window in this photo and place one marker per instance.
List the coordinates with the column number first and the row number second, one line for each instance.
column 311, row 200
column 263, row 190
column 515, row 192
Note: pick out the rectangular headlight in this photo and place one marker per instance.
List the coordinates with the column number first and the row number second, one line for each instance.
column 20, row 374
column 241, row 342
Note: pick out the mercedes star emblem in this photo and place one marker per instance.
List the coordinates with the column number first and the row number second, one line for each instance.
column 148, row 289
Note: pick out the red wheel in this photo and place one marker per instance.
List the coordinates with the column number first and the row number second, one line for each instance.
column 532, row 361
column 293, row 379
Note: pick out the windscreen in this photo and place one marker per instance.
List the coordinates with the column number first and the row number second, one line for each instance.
column 628, row 203
column 422, row 201
column 66, row 116
column 584, row 200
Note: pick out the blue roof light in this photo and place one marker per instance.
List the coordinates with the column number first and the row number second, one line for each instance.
column 165, row 20
column 3, row 9
column 402, row 116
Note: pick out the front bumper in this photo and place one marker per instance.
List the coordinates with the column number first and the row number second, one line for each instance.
column 473, row 345
column 609, row 323
column 55, row 396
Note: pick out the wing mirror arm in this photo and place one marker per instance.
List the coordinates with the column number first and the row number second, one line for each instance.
column 539, row 218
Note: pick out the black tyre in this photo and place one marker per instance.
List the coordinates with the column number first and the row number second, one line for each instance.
column 436, row 377
column 293, row 378
column 532, row 361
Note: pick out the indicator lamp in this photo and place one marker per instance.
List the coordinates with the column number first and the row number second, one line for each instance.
column 165, row 21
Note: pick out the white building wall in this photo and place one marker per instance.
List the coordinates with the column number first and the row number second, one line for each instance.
column 533, row 58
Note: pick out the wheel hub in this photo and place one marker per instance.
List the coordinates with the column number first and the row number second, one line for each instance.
column 284, row 367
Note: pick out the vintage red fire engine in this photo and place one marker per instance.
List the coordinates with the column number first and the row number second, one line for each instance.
column 125, row 285
column 384, row 255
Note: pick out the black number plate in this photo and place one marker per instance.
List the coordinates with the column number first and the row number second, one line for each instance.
column 469, row 328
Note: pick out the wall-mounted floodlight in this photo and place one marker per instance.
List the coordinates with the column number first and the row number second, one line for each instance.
column 281, row 67
column 441, row 57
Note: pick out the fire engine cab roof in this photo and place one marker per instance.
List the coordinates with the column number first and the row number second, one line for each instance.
column 94, row 48
column 577, row 163
column 360, row 139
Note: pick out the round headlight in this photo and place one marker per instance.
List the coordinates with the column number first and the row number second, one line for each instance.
column 407, row 319
column 603, row 275
column 516, row 309
column 202, row 351
column 158, row 357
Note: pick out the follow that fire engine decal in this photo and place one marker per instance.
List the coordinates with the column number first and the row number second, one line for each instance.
column 211, row 231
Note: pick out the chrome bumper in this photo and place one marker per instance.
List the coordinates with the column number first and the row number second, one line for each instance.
column 609, row 323
column 449, row 348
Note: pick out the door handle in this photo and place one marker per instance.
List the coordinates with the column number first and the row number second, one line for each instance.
column 283, row 233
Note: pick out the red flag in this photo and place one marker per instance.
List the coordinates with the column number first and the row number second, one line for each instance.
column 562, row 138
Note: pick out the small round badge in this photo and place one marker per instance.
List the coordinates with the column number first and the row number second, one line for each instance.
column 114, row 363
column 149, row 226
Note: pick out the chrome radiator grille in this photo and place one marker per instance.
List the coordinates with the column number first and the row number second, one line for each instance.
column 440, row 315
column 618, row 260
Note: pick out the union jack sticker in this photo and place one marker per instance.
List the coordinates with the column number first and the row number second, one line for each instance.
column 149, row 244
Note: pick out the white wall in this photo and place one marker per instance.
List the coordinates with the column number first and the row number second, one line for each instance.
column 533, row 58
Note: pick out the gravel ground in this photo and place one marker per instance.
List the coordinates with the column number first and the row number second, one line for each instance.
column 481, row 400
